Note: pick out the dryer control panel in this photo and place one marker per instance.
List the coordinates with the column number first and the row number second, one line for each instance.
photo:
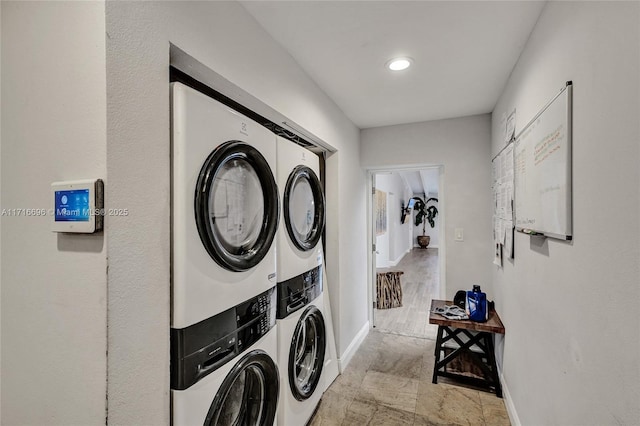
column 297, row 292
column 202, row 348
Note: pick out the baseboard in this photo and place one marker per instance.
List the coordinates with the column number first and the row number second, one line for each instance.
column 393, row 263
column 346, row 356
column 508, row 402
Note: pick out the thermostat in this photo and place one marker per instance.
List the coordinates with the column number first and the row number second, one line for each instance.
column 78, row 206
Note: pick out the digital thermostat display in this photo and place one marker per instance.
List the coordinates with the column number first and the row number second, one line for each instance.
column 78, row 206
column 72, row 206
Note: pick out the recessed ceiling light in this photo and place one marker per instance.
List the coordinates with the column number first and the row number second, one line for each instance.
column 399, row 64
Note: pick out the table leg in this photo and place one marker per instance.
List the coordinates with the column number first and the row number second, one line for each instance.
column 485, row 359
column 492, row 362
column 437, row 354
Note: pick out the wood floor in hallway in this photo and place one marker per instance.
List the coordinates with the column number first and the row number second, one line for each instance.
column 420, row 283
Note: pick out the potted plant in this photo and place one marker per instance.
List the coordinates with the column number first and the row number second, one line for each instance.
column 425, row 214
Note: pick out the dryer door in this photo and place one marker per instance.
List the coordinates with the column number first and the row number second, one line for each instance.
column 304, row 208
column 236, row 206
column 306, row 355
column 249, row 393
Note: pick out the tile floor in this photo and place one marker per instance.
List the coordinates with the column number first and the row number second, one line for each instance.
column 388, row 382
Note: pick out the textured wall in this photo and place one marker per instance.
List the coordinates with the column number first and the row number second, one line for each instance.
column 54, row 306
column 570, row 309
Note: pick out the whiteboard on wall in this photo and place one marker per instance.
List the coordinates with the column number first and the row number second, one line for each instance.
column 543, row 171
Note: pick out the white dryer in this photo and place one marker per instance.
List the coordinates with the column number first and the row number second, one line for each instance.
column 299, row 243
column 303, row 334
column 302, row 346
column 225, row 207
column 223, row 369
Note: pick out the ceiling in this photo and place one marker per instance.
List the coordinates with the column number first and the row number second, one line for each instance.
column 463, row 53
column 423, row 181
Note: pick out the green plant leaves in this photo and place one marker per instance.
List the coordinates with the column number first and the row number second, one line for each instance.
column 425, row 213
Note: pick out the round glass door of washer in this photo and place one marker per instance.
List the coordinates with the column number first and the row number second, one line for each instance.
column 306, row 355
column 236, row 206
column 304, row 208
column 248, row 395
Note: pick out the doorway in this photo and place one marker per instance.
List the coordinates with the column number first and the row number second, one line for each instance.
column 403, row 277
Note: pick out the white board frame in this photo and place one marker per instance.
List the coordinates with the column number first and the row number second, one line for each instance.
column 533, row 229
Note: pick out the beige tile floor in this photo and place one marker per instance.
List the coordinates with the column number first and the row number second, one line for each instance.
column 388, row 382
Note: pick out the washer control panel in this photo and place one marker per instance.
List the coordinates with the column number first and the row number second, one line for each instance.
column 202, row 348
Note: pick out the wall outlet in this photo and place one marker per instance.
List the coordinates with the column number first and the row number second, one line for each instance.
column 459, row 234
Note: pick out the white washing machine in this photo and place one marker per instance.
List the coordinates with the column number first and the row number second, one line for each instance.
column 223, row 369
column 299, row 239
column 299, row 248
column 302, row 346
column 225, row 207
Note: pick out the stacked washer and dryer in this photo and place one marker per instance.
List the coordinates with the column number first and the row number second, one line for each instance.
column 232, row 362
column 225, row 214
column 303, row 332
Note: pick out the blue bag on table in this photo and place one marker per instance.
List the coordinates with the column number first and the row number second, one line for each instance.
column 476, row 305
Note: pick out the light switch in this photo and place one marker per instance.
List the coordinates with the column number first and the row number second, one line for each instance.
column 459, row 234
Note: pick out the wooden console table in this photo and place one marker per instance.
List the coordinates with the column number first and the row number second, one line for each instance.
column 472, row 338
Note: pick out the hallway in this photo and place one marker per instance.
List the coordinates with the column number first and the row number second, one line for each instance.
column 420, row 283
column 388, row 382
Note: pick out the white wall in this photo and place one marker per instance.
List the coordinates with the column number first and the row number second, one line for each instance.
column 570, row 309
column 402, row 236
column 395, row 243
column 225, row 38
column 382, row 250
column 0, row 215
column 54, row 306
column 462, row 146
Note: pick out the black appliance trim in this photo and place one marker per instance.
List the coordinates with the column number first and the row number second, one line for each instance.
column 243, row 258
column 304, row 172
column 297, row 292
column 201, row 348
column 265, row 410
column 312, row 313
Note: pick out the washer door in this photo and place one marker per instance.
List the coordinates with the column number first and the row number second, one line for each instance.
column 248, row 395
column 236, row 206
column 304, row 208
column 306, row 355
